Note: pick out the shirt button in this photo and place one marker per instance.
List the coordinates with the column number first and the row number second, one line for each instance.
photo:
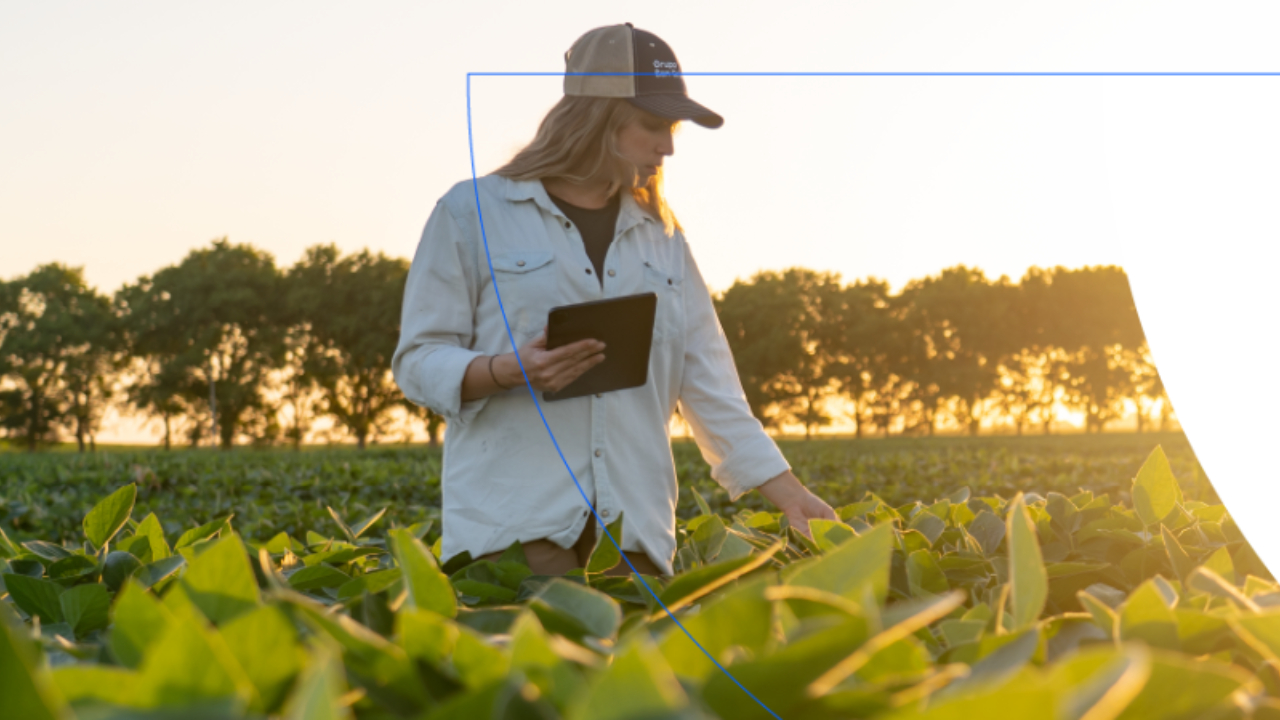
column 567, row 224
column 668, row 281
column 588, row 271
column 519, row 263
column 612, row 273
column 604, row 513
column 599, row 453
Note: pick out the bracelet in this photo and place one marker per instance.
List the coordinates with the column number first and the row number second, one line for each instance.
column 495, row 377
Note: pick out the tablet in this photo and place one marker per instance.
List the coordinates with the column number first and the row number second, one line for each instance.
column 624, row 324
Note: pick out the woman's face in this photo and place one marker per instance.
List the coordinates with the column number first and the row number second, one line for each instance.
column 646, row 142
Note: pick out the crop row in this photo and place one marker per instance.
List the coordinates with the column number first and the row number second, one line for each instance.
column 1054, row 605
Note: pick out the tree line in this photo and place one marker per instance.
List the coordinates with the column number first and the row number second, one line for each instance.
column 955, row 347
column 225, row 347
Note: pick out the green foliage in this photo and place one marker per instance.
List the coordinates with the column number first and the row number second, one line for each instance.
column 1072, row 607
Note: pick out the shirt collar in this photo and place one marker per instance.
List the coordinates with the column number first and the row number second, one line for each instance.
column 630, row 213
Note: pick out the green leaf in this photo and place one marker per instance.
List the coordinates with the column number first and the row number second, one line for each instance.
column 1261, row 632
column 152, row 573
column 959, row 632
column 70, row 569
column 346, row 529
column 188, row 664
column 1103, row 616
column 924, row 576
column 317, row 577
column 1028, row 581
column 742, row 618
column 47, row 551
column 7, row 548
column 1155, row 491
column 117, row 568
column 426, row 636
column 265, row 644
column 477, row 662
column 846, row 570
column 709, row 534
column 1183, row 687
column 84, row 684
column 702, row 504
column 1147, row 617
column 988, row 530
column 25, row 686
column 929, row 525
column 138, row 620
column 638, row 683
column 827, row 534
column 1178, row 558
column 359, row 528
column 108, row 516
column 372, row 583
column 35, row 596
column 596, row 613
column 428, row 586
column 202, row 533
column 318, row 692
column 688, row 587
column 606, row 554
column 84, row 608
column 780, row 680
column 150, row 529
column 220, row 581
column 1220, row 562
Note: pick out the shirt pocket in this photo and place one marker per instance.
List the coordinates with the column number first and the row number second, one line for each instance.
column 526, row 284
column 668, row 321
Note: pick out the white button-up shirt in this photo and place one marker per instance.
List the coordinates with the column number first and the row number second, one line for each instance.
column 502, row 478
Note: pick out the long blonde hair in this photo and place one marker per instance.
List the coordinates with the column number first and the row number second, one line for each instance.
column 576, row 141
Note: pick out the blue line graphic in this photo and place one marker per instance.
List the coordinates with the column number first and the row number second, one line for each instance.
column 532, row 394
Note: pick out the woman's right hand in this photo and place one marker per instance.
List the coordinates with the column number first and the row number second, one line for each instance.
column 549, row 370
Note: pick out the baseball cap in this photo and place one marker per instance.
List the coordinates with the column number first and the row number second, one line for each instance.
column 650, row 77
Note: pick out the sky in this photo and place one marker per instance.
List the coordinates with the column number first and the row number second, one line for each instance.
column 133, row 132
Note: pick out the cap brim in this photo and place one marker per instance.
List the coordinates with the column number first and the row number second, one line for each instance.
column 677, row 107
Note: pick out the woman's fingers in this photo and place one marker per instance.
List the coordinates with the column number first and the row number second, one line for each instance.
column 576, row 370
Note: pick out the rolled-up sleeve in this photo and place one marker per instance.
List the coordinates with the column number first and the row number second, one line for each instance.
column 733, row 442
column 437, row 321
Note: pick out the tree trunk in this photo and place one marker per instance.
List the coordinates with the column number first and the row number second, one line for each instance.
column 166, row 432
column 37, row 404
column 213, row 407
column 360, row 438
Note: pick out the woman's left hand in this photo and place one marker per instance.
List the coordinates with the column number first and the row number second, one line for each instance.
column 800, row 506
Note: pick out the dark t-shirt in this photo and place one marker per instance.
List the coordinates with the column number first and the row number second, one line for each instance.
column 595, row 226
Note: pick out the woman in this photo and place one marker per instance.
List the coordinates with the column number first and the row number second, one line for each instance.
column 578, row 215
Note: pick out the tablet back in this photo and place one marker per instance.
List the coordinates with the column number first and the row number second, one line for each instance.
column 624, row 324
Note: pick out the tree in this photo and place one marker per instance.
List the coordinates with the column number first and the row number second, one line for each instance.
column 870, row 351
column 784, row 330
column 962, row 326
column 1095, row 322
column 213, row 325
column 350, row 309
column 57, row 354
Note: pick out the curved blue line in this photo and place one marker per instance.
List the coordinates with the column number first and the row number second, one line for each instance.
column 475, row 186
